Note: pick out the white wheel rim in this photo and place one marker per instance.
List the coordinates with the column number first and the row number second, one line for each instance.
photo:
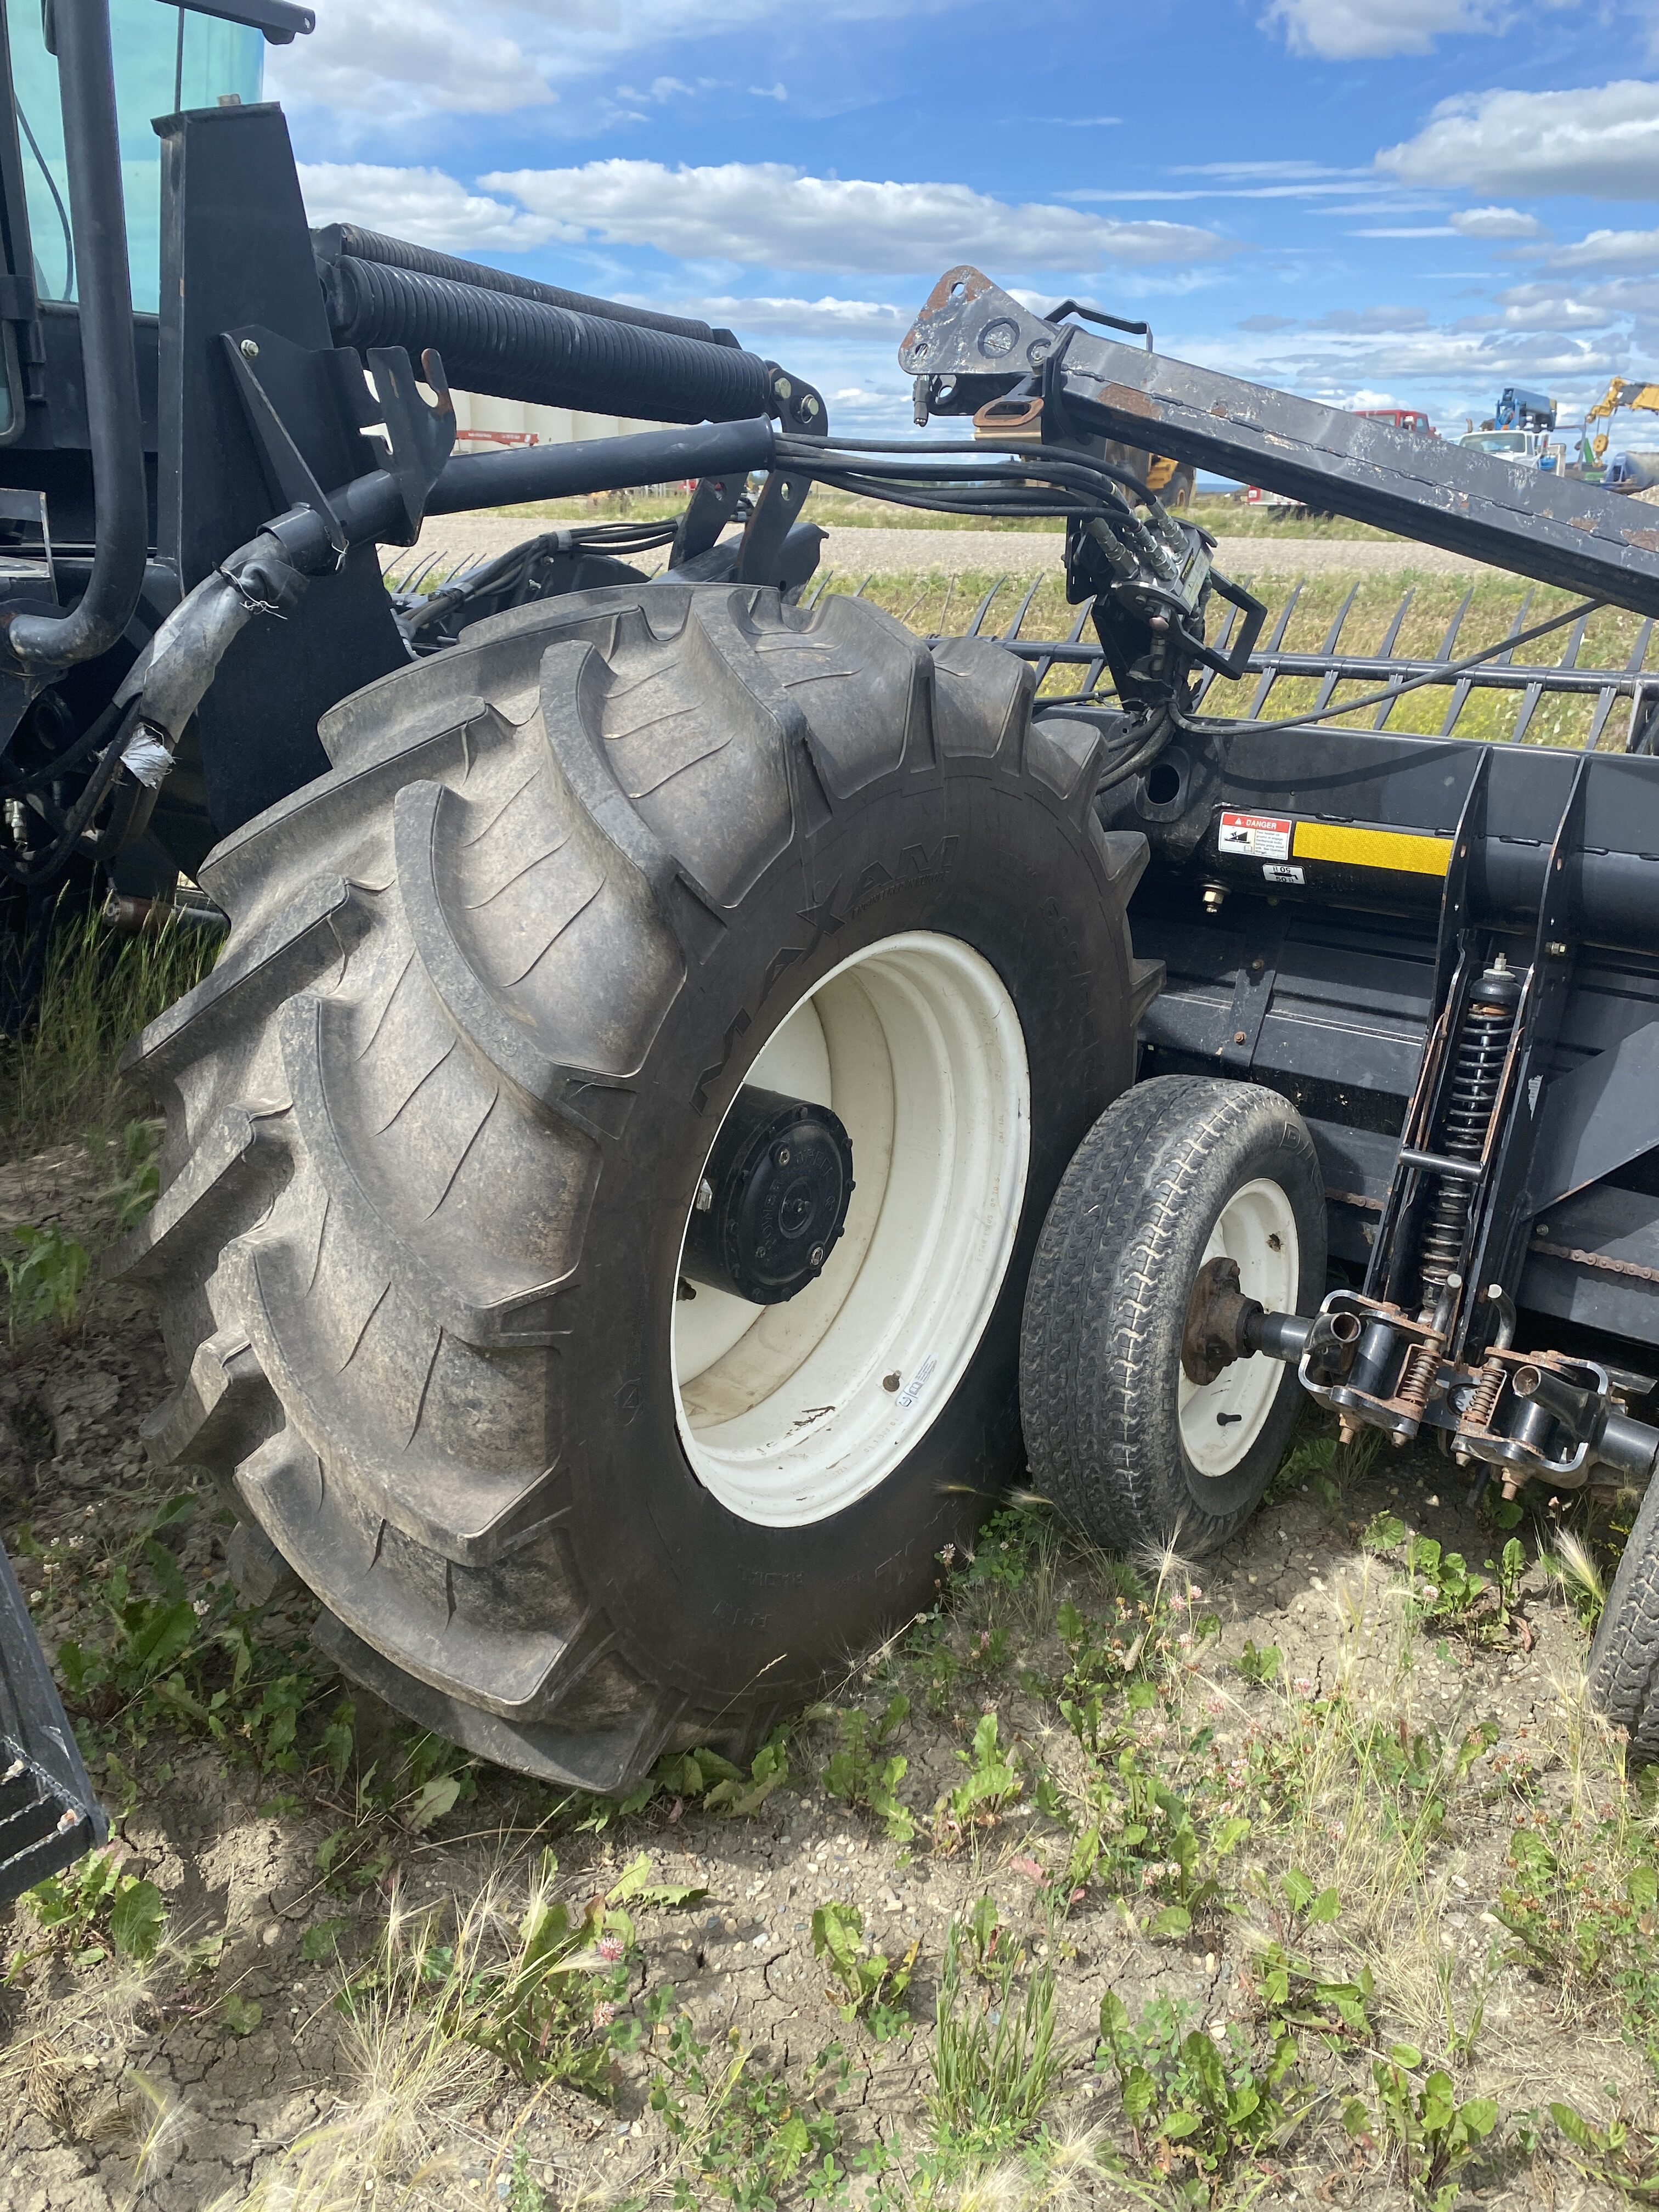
column 789, row 1414
column 1221, row 1420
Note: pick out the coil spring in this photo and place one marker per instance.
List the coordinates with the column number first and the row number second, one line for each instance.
column 1482, row 1042
column 1478, row 1412
column 1416, row 1376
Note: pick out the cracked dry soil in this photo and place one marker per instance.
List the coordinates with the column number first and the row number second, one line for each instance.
column 121, row 2087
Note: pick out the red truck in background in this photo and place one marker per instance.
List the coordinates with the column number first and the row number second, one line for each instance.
column 1402, row 418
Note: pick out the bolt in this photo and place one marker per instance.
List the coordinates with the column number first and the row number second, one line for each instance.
column 1275, row 1242
column 1347, row 1430
column 817, row 1255
column 1557, row 951
column 891, row 1382
column 705, row 1197
column 1258, row 966
column 809, row 407
column 1214, row 896
column 783, row 1156
column 249, row 350
column 783, row 387
column 1238, row 1036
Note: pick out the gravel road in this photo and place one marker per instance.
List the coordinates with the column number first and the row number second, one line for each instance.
column 945, row 552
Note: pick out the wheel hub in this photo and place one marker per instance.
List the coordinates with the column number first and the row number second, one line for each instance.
column 774, row 1201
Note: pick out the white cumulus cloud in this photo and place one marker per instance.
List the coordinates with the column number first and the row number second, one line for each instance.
column 1496, row 222
column 1635, row 252
column 1601, row 140
column 395, row 60
column 392, row 60
column 1364, row 30
column 760, row 315
column 768, row 214
column 423, row 205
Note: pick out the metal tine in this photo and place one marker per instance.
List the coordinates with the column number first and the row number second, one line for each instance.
column 1387, row 646
column 1504, row 658
column 868, row 580
column 1536, row 691
column 1272, row 646
column 984, row 608
column 1019, row 622
column 1529, row 699
column 417, row 576
column 823, row 583
column 1333, row 677
column 1605, row 698
column 1047, row 661
column 1342, row 612
column 1464, row 685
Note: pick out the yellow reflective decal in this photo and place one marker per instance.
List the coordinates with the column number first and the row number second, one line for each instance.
column 1396, row 849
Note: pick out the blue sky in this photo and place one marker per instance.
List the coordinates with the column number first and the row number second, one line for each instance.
column 1369, row 201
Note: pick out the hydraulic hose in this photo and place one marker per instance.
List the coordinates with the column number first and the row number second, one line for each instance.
column 527, row 473
column 86, row 79
column 519, row 349
column 348, row 241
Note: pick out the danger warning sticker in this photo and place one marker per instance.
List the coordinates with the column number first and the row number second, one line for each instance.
column 1261, row 836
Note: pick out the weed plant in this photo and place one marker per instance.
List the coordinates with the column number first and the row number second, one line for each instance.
column 59, row 1078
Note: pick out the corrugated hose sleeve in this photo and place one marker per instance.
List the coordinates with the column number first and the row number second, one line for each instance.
column 516, row 348
column 350, row 241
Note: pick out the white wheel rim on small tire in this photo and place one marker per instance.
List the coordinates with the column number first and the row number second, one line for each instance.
column 1221, row 1420
column 789, row 1413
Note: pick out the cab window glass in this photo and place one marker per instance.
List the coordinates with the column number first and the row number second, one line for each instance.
column 165, row 58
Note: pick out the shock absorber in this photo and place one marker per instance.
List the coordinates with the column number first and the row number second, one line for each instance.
column 1483, row 1039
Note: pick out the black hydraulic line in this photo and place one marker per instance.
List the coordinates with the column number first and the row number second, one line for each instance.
column 85, row 78
column 517, row 349
column 532, row 472
column 1439, row 674
column 53, row 863
column 1099, row 315
column 348, row 241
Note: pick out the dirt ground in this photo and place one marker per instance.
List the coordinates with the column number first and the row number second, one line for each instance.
column 1384, row 1759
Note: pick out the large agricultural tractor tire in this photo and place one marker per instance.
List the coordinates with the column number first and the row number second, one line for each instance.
column 440, row 1121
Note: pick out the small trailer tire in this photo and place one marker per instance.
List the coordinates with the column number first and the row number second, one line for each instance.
column 1624, row 1661
column 1181, row 1170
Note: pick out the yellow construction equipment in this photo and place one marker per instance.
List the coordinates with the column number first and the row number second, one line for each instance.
column 1623, row 391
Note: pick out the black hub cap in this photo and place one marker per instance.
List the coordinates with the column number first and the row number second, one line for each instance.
column 773, row 1199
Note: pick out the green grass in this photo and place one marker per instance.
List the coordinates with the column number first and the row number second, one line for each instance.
column 941, row 604
column 60, row 1079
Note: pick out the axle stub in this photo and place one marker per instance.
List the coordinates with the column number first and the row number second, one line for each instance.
column 776, row 1189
